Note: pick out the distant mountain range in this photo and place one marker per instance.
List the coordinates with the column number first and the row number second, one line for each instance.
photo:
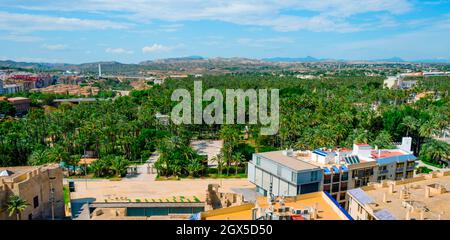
column 198, row 63
column 387, row 60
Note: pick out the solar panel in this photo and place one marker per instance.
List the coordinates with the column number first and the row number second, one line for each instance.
column 352, row 159
column 360, row 195
column 384, row 214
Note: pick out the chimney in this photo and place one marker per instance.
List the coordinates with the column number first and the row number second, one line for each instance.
column 427, row 192
column 384, row 198
column 406, row 144
column 391, row 188
column 422, row 214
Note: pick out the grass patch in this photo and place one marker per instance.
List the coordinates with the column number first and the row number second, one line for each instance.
column 66, row 194
column 431, row 163
column 423, row 170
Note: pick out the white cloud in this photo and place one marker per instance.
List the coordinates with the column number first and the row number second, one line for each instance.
column 118, row 51
column 20, row 38
column 156, row 48
column 330, row 15
column 265, row 42
column 55, row 47
column 20, row 23
column 171, row 27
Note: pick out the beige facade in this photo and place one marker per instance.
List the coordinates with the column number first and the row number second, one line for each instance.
column 40, row 186
column 424, row 197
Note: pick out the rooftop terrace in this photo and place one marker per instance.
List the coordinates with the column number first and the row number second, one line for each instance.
column 426, row 197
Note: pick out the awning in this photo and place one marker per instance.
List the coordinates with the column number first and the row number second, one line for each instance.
column 344, row 168
column 326, row 170
column 320, row 152
column 335, row 169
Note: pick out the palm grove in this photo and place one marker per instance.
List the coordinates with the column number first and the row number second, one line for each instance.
column 325, row 112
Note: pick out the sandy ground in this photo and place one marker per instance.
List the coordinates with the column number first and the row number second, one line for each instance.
column 143, row 186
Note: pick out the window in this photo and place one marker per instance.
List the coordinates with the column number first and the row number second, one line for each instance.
column 30, row 216
column 335, row 187
column 326, row 188
column 314, row 176
column 336, row 177
column 308, row 188
column 36, row 202
column 400, row 165
column 258, row 161
column 343, row 186
column 344, row 176
column 294, row 177
column 327, row 179
column 342, row 196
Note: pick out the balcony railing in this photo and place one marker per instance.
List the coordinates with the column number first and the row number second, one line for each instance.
column 384, row 171
column 400, row 169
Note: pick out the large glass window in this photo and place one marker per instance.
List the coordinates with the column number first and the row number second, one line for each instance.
column 327, row 179
column 335, row 187
column 336, row 177
column 343, row 186
column 344, row 176
column 294, row 177
column 327, row 188
column 314, row 176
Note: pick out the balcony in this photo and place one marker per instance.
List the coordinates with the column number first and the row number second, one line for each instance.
column 384, row 171
column 400, row 169
column 409, row 168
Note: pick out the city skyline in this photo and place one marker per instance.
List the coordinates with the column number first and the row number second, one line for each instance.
column 90, row 31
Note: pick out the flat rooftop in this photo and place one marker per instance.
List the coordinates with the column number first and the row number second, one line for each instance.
column 414, row 189
column 327, row 210
column 288, row 161
column 16, row 171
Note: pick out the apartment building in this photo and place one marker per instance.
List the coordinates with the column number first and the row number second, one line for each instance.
column 282, row 174
column 340, row 169
column 40, row 186
column 12, row 88
column 21, row 104
column 424, row 197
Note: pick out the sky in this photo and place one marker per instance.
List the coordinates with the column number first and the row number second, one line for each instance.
column 131, row 31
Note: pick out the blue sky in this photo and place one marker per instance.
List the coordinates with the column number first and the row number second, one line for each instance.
column 136, row 30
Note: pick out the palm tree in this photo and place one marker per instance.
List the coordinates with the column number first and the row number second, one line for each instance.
column 238, row 160
column 410, row 123
column 119, row 165
column 435, row 150
column 39, row 157
column 16, row 205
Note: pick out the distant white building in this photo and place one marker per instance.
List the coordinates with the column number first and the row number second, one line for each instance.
column 12, row 88
column 399, row 82
column 1, row 86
